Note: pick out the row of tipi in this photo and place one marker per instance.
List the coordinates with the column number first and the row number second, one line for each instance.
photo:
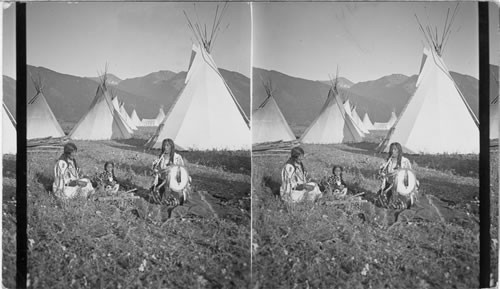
column 106, row 117
column 436, row 119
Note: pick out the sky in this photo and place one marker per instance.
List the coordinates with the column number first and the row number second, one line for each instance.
column 366, row 40
column 134, row 38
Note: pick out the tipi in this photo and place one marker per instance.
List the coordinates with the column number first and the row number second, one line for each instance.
column 161, row 116
column 357, row 120
column 9, row 134
column 348, row 107
column 40, row 120
column 135, row 119
column 386, row 125
column 437, row 119
column 268, row 123
column 116, row 106
column 125, row 116
column 205, row 115
column 102, row 121
column 367, row 122
column 333, row 124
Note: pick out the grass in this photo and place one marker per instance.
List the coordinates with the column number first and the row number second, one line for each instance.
column 133, row 244
column 320, row 246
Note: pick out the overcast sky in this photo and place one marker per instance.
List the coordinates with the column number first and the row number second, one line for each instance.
column 134, row 38
column 367, row 40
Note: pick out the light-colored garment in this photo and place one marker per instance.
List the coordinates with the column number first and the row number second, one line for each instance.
column 389, row 167
column 293, row 176
column 64, row 173
column 162, row 163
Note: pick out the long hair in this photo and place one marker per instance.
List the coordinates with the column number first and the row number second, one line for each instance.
column 400, row 153
column 171, row 144
column 294, row 155
column 69, row 148
column 341, row 171
column 112, row 171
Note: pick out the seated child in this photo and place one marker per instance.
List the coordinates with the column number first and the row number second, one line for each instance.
column 107, row 180
column 336, row 183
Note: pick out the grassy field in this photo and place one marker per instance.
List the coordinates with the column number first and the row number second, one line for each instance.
column 133, row 244
column 321, row 246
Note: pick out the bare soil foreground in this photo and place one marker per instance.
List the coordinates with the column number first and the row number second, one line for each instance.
column 132, row 243
column 334, row 246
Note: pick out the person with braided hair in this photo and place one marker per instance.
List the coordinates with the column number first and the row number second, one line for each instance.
column 295, row 185
column 67, row 180
column 161, row 169
column 395, row 161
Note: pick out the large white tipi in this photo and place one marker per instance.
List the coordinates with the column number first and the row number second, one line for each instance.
column 205, row 115
column 268, row 123
column 333, row 124
column 40, row 120
column 437, row 119
column 9, row 134
column 102, row 121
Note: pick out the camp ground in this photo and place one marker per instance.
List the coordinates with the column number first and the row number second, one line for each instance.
column 136, row 236
column 349, row 124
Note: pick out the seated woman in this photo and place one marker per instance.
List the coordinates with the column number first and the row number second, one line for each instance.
column 295, row 186
column 161, row 167
column 106, row 180
column 67, row 180
column 387, row 196
column 335, row 183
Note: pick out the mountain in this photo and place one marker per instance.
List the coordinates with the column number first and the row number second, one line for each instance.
column 70, row 96
column 164, row 86
column 342, row 82
column 301, row 100
column 111, row 79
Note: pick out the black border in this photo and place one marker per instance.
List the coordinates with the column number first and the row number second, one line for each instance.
column 21, row 177
column 484, row 146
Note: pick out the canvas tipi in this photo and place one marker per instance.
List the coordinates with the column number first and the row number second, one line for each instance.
column 357, row 120
column 135, row 119
column 9, row 134
column 161, row 116
column 116, row 105
column 125, row 116
column 367, row 122
column 268, row 123
column 348, row 107
column 40, row 120
column 102, row 121
column 333, row 124
column 437, row 119
column 205, row 115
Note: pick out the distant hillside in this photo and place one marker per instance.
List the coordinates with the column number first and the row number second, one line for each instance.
column 342, row 82
column 70, row 96
column 301, row 100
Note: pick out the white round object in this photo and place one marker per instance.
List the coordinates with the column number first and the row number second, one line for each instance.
column 405, row 182
column 178, row 178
